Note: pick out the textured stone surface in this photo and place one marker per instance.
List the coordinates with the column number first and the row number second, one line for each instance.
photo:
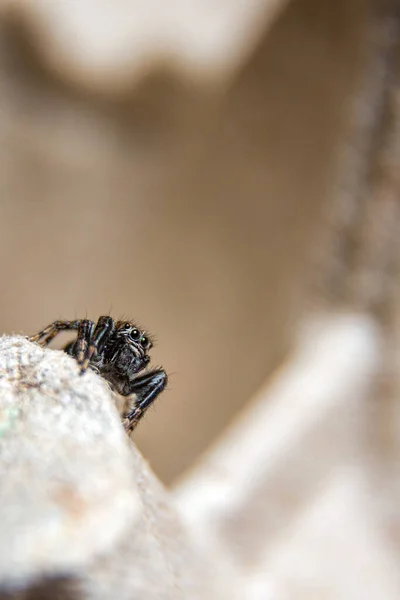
column 65, row 464
column 76, row 498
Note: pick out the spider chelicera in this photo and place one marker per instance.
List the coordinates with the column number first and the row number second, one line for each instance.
column 118, row 351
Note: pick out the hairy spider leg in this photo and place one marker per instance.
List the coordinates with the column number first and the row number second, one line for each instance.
column 85, row 332
column 49, row 333
column 146, row 387
column 104, row 328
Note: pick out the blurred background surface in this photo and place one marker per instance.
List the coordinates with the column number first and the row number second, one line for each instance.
column 180, row 182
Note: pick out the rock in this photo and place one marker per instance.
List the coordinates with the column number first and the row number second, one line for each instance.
column 65, row 464
column 79, row 509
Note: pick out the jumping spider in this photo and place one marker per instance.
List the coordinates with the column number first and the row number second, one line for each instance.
column 118, row 351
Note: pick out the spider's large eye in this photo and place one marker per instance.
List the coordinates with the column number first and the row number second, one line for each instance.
column 144, row 340
column 135, row 334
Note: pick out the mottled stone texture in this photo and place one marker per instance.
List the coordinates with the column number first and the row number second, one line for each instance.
column 78, row 505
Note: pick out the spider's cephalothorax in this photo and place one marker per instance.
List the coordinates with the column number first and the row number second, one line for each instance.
column 118, row 351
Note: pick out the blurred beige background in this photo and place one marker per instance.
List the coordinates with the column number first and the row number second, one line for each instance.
column 190, row 205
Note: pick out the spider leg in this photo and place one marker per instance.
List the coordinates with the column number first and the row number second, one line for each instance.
column 104, row 328
column 45, row 336
column 146, row 388
column 78, row 348
column 69, row 348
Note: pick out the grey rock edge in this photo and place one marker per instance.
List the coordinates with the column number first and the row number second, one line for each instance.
column 78, row 504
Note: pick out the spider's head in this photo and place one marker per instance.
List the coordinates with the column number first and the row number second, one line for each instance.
column 130, row 348
column 125, row 355
column 134, row 336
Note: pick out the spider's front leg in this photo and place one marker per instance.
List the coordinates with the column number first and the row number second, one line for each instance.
column 146, row 388
column 47, row 334
column 88, row 351
column 78, row 347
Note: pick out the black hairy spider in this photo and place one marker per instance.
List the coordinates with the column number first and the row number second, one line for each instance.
column 118, row 351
